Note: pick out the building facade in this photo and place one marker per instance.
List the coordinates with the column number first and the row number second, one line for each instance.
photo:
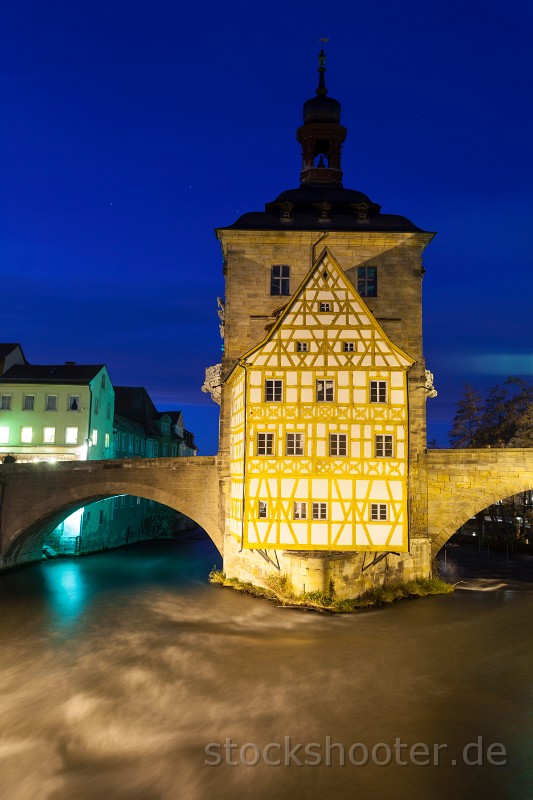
column 324, row 382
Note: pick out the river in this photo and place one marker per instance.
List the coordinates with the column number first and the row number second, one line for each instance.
column 119, row 669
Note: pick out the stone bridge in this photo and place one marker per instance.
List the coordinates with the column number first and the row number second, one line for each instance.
column 34, row 498
column 463, row 482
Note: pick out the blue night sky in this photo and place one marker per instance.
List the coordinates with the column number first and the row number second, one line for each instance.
column 130, row 130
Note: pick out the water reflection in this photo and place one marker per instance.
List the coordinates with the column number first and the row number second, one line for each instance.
column 66, row 590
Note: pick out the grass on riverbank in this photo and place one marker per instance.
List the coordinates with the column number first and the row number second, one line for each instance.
column 281, row 591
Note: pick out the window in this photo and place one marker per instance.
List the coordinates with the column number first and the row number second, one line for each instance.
column 130, row 443
column 325, row 306
column 378, row 391
column 106, row 440
column 136, row 445
column 174, row 450
column 142, row 447
column 116, row 440
column 367, row 284
column 262, row 509
column 108, row 414
column 165, row 428
column 279, row 279
column 96, row 405
column 349, row 347
column 101, row 518
column 165, row 449
column 124, row 441
column 338, row 444
column 28, row 402
column 302, row 347
column 103, row 381
column 155, row 450
column 74, row 402
column 94, row 437
column 300, row 510
column 324, row 391
column 384, row 446
column 265, row 444
column 378, row 511
column 49, row 435
column 295, row 444
column 71, row 436
column 88, row 516
column 4, row 434
column 51, row 402
column 320, row 510
column 26, row 435
column 5, row 402
column 273, row 391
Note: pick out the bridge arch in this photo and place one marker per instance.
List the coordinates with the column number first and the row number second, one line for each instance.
column 37, row 497
column 461, row 483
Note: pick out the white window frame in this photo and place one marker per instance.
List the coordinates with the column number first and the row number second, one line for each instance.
column 384, row 445
column 5, row 402
column 325, row 390
column 273, row 390
column 320, row 511
column 49, row 435
column 379, row 512
column 265, row 444
column 26, row 405
column 70, row 437
column 378, row 391
column 295, row 444
column 300, row 509
column 337, row 443
column 51, row 402
column 25, row 437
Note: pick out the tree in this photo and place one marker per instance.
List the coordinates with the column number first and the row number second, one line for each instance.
column 466, row 423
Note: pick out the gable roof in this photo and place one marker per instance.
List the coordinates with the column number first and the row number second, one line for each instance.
column 75, row 374
column 350, row 319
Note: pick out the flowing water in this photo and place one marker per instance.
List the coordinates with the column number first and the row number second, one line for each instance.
column 117, row 670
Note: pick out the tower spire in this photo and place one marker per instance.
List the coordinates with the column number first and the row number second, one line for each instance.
column 321, row 135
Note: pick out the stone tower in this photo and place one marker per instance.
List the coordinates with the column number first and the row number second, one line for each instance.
column 269, row 258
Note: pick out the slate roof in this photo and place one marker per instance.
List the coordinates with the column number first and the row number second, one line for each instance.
column 75, row 374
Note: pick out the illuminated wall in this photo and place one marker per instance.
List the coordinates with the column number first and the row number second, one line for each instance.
column 318, row 430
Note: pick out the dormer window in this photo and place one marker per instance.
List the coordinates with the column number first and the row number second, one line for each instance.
column 286, row 212
column 323, row 211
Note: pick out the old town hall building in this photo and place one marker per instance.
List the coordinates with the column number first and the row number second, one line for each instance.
column 324, row 383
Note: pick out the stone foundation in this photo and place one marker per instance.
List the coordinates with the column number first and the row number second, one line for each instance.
column 348, row 574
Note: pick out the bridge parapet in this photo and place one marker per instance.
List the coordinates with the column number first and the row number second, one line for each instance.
column 463, row 482
column 35, row 497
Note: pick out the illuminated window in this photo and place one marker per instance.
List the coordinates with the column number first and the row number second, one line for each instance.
column 71, row 436
column 106, row 440
column 320, row 510
column 302, row 347
column 5, row 402
column 51, row 402
column 367, row 281
column 295, row 444
column 384, row 446
column 94, row 437
column 378, row 511
column 74, row 402
column 338, row 444
column 325, row 306
column 28, row 402
column 349, row 347
column 324, row 391
column 279, row 279
column 262, row 509
column 265, row 444
column 26, row 435
column 273, row 391
column 378, row 391
column 4, row 434
column 49, row 435
column 300, row 510
column 96, row 405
